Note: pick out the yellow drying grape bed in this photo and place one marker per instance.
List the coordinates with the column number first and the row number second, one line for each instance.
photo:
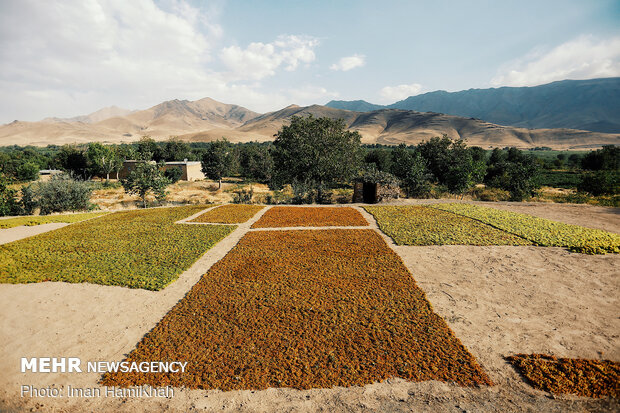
column 228, row 214
column 589, row 378
column 540, row 231
column 136, row 249
column 418, row 225
column 47, row 219
column 304, row 309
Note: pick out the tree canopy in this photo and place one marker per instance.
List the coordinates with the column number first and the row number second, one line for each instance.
column 320, row 151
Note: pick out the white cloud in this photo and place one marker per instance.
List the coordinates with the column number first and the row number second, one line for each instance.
column 74, row 57
column 585, row 57
column 260, row 60
column 395, row 93
column 87, row 54
column 349, row 62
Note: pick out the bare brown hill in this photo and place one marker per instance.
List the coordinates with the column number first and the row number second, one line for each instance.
column 393, row 126
column 207, row 119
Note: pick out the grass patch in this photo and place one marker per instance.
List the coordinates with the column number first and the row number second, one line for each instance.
column 417, row 225
column 47, row 219
column 136, row 249
column 560, row 179
column 286, row 216
column 228, row 214
column 540, row 231
column 304, row 309
column 589, row 378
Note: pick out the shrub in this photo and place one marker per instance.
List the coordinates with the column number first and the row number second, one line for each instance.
column 601, row 183
column 303, row 192
column 63, row 193
column 243, row 196
column 490, row 194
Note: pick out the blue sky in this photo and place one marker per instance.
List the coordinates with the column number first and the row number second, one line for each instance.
column 66, row 58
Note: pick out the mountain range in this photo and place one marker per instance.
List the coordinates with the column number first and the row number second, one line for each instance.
column 207, row 119
column 592, row 105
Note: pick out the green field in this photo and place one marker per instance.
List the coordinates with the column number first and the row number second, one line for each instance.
column 561, row 179
column 136, row 249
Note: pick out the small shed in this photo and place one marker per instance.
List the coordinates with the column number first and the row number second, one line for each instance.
column 375, row 186
column 191, row 170
column 128, row 166
column 46, row 174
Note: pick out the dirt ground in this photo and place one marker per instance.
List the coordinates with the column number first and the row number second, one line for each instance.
column 183, row 192
column 13, row 234
column 497, row 300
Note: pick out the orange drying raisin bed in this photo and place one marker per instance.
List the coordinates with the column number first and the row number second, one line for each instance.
column 287, row 216
column 304, row 309
column 589, row 378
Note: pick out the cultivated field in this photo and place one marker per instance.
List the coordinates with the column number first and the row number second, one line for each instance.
column 299, row 308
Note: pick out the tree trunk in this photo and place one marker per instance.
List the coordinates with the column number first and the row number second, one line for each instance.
column 220, row 181
column 107, row 176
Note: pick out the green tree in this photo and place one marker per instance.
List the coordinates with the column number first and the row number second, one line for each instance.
column 126, row 151
column 144, row 179
column 461, row 171
column 417, row 179
column 381, row 158
column 217, row 160
column 176, row 150
column 607, row 158
column 436, row 152
column 604, row 182
column 8, row 201
column 28, row 171
column 103, row 160
column 410, row 168
column 73, row 160
column 401, row 160
column 147, row 149
column 453, row 164
column 514, row 172
column 256, row 162
column 319, row 151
